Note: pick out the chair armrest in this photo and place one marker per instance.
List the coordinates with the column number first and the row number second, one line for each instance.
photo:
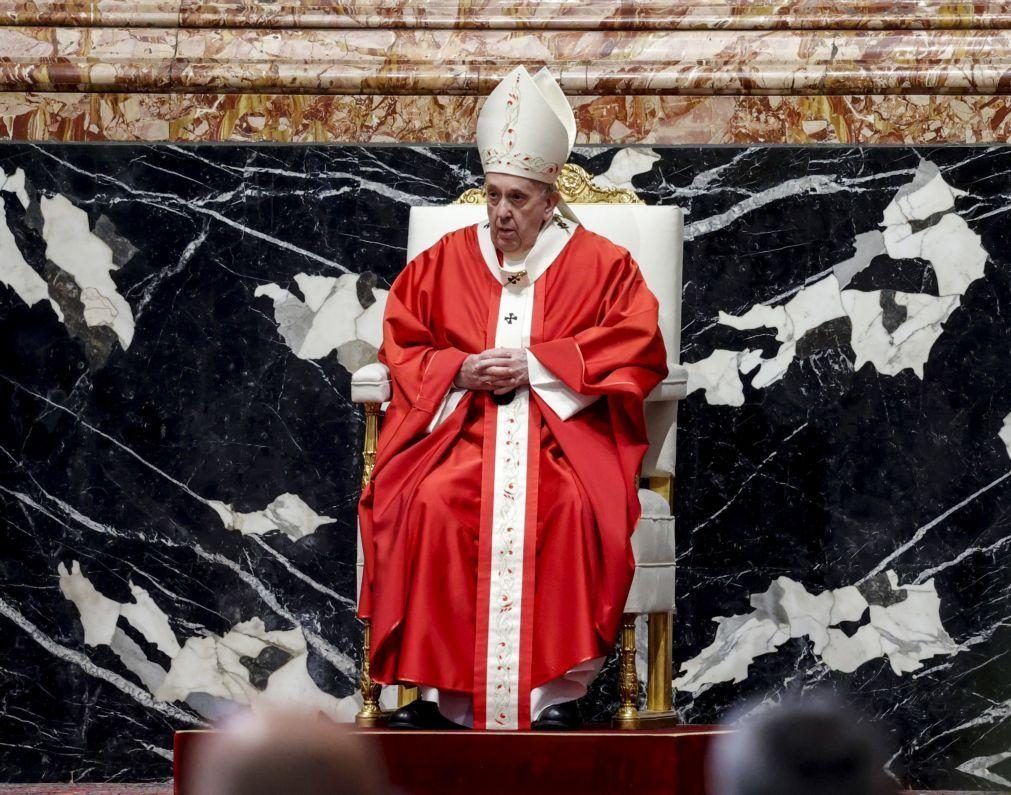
column 371, row 384
column 673, row 387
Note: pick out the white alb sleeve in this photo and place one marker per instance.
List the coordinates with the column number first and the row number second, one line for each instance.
column 562, row 400
column 449, row 403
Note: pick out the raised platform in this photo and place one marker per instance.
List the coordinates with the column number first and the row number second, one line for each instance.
column 667, row 761
column 166, row 789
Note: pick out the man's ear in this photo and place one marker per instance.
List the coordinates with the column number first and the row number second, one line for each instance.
column 553, row 198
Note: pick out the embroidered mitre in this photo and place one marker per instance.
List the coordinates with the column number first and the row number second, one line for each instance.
column 526, row 128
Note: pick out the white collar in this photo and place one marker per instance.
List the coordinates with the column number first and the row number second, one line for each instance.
column 551, row 240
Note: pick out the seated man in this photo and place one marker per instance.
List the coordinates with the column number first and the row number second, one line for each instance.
column 496, row 527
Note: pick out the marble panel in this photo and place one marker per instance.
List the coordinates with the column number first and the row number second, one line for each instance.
column 75, row 58
column 91, row 13
column 179, row 459
column 592, row 62
column 294, row 118
column 596, row 14
column 589, row 14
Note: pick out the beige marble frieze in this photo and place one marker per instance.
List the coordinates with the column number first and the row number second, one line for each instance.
column 472, row 61
column 889, row 119
column 89, row 13
column 596, row 14
column 501, row 14
column 87, row 58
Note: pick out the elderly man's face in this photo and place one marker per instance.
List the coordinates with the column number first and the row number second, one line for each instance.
column 517, row 209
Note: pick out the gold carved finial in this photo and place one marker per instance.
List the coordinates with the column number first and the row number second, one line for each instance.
column 576, row 186
column 627, row 716
column 371, row 714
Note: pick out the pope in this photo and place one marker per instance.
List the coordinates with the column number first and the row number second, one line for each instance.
column 496, row 526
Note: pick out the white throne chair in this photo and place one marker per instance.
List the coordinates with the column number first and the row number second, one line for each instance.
column 653, row 235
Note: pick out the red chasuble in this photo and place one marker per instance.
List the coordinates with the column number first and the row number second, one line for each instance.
column 497, row 546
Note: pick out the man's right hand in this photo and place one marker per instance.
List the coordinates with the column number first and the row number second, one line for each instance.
column 472, row 374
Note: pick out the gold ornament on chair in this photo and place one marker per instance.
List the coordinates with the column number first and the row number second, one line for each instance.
column 576, row 186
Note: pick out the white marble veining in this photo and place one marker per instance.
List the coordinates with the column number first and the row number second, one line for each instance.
column 72, row 246
column 907, row 346
column 206, row 670
column 950, row 246
column 808, row 309
column 328, row 318
column 18, row 274
column 88, row 666
column 906, row 632
column 15, row 183
column 15, row 272
column 719, row 375
column 99, row 615
column 1005, row 434
column 212, row 666
column 625, row 164
column 288, row 513
column 953, row 250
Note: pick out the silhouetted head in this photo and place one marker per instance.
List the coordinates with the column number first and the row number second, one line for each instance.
column 810, row 746
column 268, row 754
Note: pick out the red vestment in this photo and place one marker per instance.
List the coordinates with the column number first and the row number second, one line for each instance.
column 429, row 587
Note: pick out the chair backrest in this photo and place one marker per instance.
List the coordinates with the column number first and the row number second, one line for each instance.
column 653, row 236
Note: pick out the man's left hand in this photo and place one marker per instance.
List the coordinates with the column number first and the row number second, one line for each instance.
column 504, row 368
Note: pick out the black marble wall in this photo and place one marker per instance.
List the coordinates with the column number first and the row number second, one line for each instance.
column 179, row 465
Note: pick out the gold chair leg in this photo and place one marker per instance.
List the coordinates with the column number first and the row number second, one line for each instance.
column 370, row 715
column 627, row 716
column 659, row 695
column 371, row 441
column 659, row 712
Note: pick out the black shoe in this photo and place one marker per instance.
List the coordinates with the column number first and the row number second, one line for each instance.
column 558, row 717
column 421, row 714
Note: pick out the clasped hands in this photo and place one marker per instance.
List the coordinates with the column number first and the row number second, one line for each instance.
column 497, row 370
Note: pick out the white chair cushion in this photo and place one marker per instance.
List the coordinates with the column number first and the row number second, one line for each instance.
column 370, row 384
column 673, row 387
column 652, row 588
column 661, row 412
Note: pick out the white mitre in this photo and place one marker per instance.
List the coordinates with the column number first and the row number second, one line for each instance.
column 526, row 128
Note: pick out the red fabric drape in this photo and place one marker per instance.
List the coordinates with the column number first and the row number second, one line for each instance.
column 419, row 517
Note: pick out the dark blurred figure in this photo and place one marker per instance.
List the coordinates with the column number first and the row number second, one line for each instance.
column 287, row 753
column 814, row 746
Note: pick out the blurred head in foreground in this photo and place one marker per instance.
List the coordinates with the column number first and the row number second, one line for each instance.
column 817, row 746
column 267, row 754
